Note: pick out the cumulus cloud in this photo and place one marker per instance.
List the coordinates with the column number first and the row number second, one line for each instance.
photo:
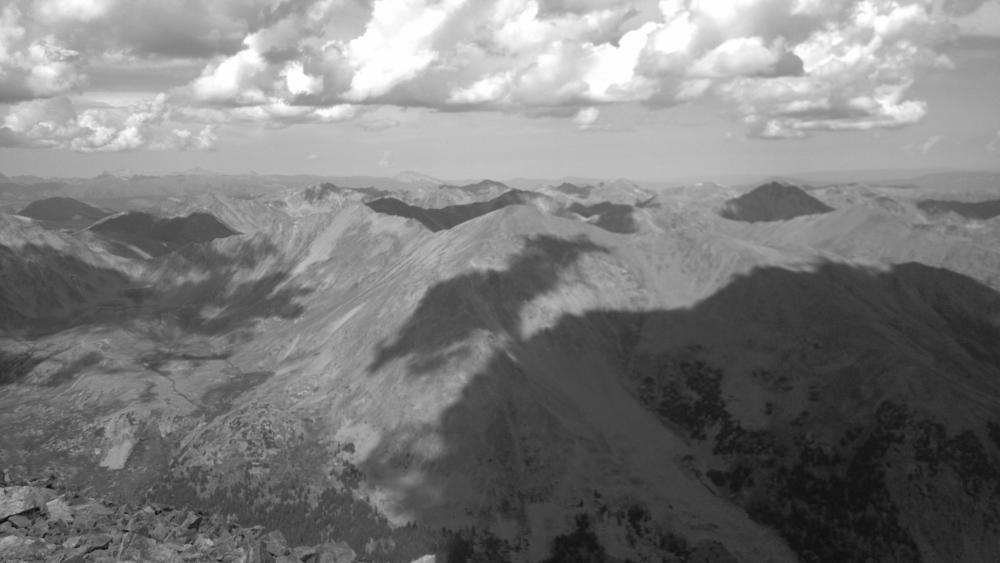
column 56, row 123
column 787, row 68
column 32, row 66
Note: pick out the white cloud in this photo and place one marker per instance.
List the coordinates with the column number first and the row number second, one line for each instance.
column 929, row 143
column 234, row 79
column 994, row 145
column 788, row 68
column 56, row 123
column 586, row 117
column 298, row 82
column 397, row 44
column 73, row 10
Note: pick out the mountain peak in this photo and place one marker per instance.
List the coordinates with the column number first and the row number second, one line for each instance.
column 773, row 201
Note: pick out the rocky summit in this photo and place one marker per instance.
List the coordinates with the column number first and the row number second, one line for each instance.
column 40, row 520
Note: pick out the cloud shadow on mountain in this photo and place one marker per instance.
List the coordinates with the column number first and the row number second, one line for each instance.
column 489, row 300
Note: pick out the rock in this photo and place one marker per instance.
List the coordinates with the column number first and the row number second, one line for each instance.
column 304, row 553
column 58, row 510
column 425, row 559
column 147, row 549
column 43, row 525
column 16, row 500
column 192, row 521
column 90, row 515
column 20, row 521
column 275, row 544
column 161, row 531
column 94, row 542
column 18, row 548
column 40, row 528
column 202, row 543
column 338, row 552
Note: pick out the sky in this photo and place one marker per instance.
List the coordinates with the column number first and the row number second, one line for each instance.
column 499, row 88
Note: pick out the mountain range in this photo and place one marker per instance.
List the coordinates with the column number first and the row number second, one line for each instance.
column 570, row 371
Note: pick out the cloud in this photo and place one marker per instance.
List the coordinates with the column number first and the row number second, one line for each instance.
column 994, row 145
column 790, row 68
column 31, row 66
column 56, row 123
column 786, row 68
column 377, row 123
column 586, row 117
column 976, row 17
column 930, row 143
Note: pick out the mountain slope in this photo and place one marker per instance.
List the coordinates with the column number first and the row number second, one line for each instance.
column 535, row 386
column 980, row 210
column 773, row 201
column 156, row 236
column 63, row 212
column 439, row 219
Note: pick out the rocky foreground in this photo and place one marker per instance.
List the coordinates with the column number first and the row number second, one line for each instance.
column 42, row 521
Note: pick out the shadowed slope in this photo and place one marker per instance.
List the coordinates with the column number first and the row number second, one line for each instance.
column 613, row 217
column 981, row 210
column 203, row 290
column 157, row 236
column 63, row 212
column 444, row 218
column 488, row 300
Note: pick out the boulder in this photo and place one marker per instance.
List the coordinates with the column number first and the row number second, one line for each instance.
column 58, row 510
column 338, row 552
column 18, row 500
column 18, row 548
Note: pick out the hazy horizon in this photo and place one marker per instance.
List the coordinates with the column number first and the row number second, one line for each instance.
column 815, row 176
